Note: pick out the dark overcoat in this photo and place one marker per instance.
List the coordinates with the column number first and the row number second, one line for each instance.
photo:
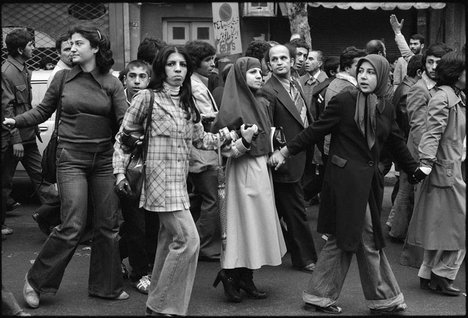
column 352, row 177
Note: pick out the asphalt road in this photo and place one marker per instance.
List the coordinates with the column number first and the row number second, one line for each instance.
column 283, row 283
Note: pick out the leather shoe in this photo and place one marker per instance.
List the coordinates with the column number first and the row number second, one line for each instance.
column 389, row 310
column 13, row 206
column 150, row 312
column 123, row 296
column 43, row 225
column 308, row 268
column 332, row 309
column 424, row 283
column 443, row 285
column 30, row 295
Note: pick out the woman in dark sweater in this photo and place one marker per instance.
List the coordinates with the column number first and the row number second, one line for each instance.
column 93, row 103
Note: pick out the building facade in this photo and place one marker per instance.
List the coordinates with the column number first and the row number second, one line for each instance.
column 333, row 27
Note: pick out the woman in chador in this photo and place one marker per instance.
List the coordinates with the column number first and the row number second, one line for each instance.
column 439, row 216
column 253, row 235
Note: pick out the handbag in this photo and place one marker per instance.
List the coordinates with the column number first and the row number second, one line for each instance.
column 49, row 156
column 135, row 170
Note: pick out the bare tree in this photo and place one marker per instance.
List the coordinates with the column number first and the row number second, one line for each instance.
column 298, row 20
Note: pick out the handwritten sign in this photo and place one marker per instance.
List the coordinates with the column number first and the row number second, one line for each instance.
column 226, row 28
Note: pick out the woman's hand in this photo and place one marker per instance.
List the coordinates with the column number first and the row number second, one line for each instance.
column 9, row 122
column 276, row 160
column 248, row 133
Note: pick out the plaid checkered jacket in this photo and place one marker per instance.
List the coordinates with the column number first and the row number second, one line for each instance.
column 170, row 140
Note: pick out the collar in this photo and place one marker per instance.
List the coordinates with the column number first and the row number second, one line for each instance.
column 345, row 76
column 200, row 78
column 284, row 81
column 98, row 77
column 16, row 63
column 62, row 65
column 430, row 83
column 126, row 96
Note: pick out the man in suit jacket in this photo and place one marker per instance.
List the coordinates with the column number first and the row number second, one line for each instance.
column 289, row 111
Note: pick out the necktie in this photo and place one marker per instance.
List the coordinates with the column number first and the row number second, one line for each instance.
column 299, row 102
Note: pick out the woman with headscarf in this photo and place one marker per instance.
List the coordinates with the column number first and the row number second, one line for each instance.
column 362, row 125
column 253, row 232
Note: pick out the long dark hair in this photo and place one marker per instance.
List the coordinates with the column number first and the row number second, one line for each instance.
column 97, row 39
column 159, row 76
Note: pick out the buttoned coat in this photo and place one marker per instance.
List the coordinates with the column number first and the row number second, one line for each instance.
column 439, row 215
column 352, row 177
column 416, row 105
column 284, row 114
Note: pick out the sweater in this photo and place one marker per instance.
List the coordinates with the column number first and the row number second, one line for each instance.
column 93, row 104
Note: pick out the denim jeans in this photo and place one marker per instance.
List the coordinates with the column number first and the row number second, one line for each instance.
column 379, row 285
column 31, row 161
column 175, row 264
column 81, row 175
column 442, row 263
column 140, row 254
column 208, row 224
column 402, row 209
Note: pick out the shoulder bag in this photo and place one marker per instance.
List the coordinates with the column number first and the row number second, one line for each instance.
column 135, row 170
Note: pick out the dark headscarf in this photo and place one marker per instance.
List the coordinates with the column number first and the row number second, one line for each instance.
column 240, row 106
column 368, row 103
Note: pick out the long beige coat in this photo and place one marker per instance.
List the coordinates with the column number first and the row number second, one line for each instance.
column 438, row 221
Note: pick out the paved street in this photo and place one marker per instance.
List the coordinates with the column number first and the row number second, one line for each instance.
column 283, row 284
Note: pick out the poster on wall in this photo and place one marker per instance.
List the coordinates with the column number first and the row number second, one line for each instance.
column 226, row 28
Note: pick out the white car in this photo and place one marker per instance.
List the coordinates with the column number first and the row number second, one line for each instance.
column 39, row 88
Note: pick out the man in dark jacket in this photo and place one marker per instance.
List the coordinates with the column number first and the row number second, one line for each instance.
column 289, row 111
column 16, row 99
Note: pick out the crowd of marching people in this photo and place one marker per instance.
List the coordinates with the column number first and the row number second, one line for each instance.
column 232, row 156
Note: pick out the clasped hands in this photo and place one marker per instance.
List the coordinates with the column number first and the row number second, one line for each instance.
column 276, row 159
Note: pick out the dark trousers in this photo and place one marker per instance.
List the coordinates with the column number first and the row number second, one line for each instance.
column 31, row 161
column 139, row 233
column 82, row 175
column 290, row 204
column 4, row 180
column 205, row 186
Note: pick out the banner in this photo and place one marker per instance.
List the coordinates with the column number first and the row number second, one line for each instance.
column 226, row 28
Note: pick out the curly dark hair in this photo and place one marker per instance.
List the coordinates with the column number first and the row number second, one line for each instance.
column 257, row 49
column 437, row 49
column 299, row 43
column 17, row 39
column 348, row 55
column 149, row 48
column 414, row 64
column 159, row 76
column 199, row 50
column 97, row 39
column 449, row 68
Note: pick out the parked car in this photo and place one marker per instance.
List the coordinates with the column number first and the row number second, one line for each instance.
column 38, row 88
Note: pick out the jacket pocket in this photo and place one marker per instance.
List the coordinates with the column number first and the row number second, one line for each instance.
column 338, row 161
column 155, row 189
column 21, row 94
column 161, row 128
column 442, row 174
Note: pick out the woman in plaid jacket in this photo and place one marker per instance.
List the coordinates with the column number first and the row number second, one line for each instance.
column 175, row 127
